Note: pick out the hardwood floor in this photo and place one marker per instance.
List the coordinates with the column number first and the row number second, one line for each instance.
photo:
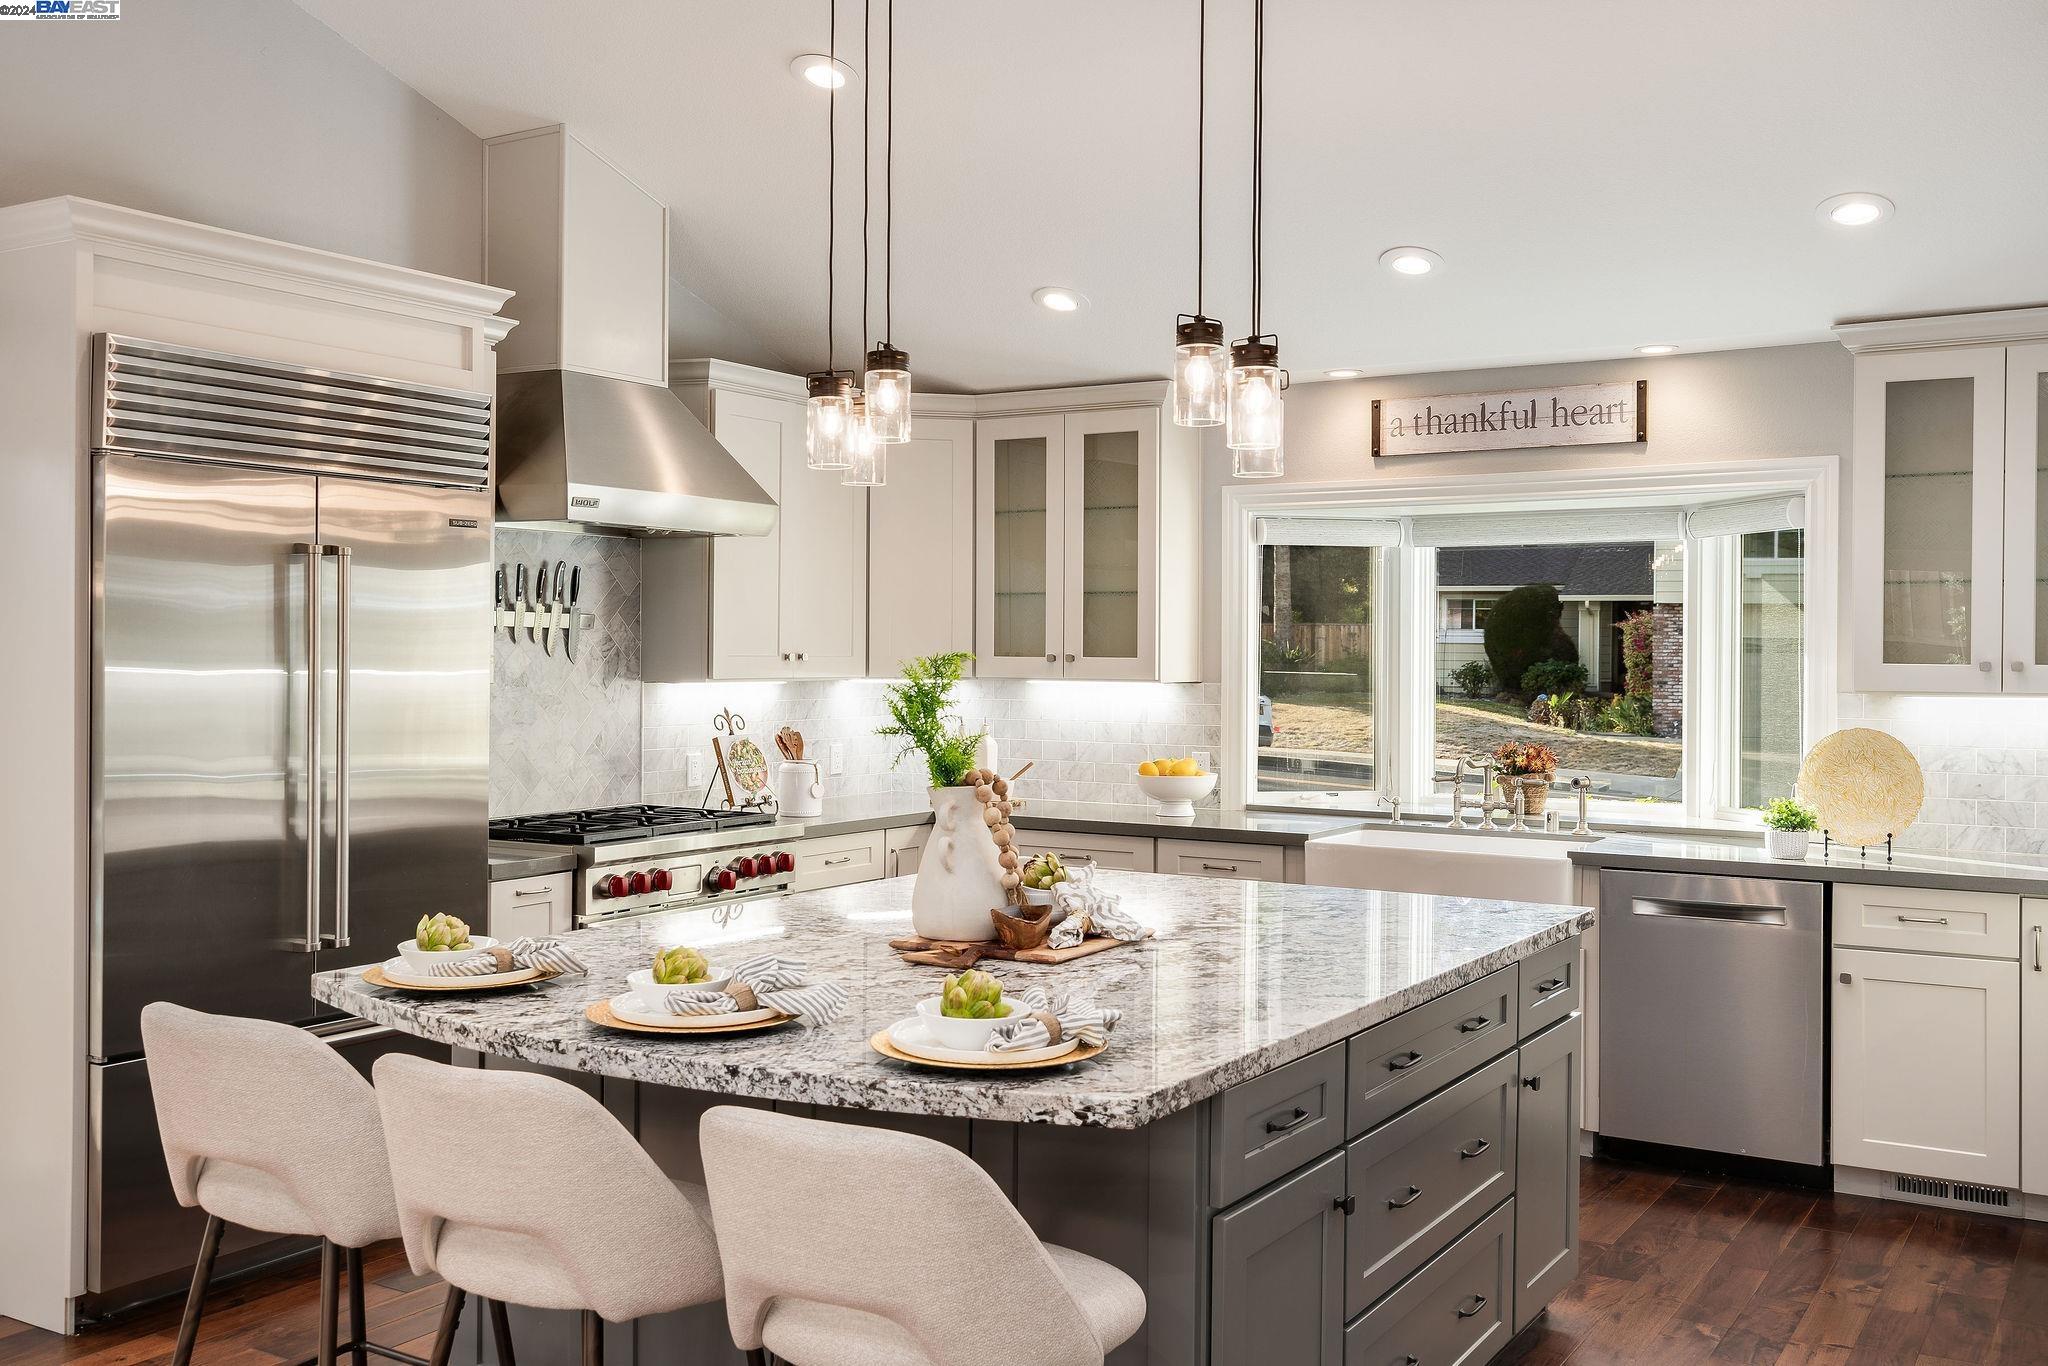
column 1676, row 1270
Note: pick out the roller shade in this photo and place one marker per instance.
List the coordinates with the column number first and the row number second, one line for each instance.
column 1552, row 527
column 1778, row 512
column 1360, row 531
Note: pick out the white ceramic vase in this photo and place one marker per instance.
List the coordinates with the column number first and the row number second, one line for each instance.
column 1786, row 844
column 959, row 877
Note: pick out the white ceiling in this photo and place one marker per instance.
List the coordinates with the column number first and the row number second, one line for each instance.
column 1597, row 174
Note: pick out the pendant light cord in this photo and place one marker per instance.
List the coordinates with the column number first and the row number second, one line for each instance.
column 1201, row 142
column 889, row 190
column 867, row 89
column 1258, row 159
column 831, row 175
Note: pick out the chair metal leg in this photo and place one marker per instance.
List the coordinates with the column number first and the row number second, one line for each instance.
column 358, row 1329
column 444, row 1337
column 593, row 1339
column 202, row 1272
column 330, row 1296
column 757, row 1356
column 501, row 1332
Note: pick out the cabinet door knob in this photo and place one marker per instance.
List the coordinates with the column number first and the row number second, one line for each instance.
column 1984, row 666
column 1052, row 659
column 1533, row 1083
column 1348, row 1203
column 1846, row 979
column 2017, row 666
column 1070, row 659
column 799, row 655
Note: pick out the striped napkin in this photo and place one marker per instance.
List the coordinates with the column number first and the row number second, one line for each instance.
column 768, row 981
column 1042, row 1021
column 546, row 954
column 1091, row 910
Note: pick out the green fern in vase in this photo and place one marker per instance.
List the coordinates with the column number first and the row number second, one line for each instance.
column 917, row 714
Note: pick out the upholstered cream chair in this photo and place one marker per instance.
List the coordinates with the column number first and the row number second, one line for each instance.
column 850, row 1246
column 570, row 1214
column 266, row 1127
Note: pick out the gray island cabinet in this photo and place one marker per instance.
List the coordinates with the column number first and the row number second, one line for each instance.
column 1333, row 1128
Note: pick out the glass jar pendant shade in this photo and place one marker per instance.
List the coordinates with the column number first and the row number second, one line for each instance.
column 1198, row 371
column 887, row 385
column 1267, row 463
column 1254, row 413
column 828, row 418
column 863, row 452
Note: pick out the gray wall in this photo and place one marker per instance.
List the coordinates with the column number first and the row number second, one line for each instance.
column 246, row 114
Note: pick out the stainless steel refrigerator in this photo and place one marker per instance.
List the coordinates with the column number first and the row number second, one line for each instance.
column 291, row 636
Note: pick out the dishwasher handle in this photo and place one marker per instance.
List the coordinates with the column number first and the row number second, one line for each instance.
column 1728, row 911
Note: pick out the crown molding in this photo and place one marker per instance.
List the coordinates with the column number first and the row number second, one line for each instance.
column 1989, row 327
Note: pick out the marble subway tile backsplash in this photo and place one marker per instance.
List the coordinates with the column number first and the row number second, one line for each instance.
column 1084, row 740
column 1986, row 762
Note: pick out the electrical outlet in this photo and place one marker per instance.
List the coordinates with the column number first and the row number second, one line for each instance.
column 1201, row 758
column 693, row 767
column 838, row 758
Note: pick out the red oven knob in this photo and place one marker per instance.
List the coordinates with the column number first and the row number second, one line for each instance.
column 765, row 861
column 744, row 864
column 638, row 883
column 661, row 880
column 611, row 885
column 712, row 881
column 727, row 879
column 785, row 862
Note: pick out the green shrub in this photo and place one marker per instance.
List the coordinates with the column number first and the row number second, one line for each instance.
column 1522, row 629
column 1474, row 679
column 1285, row 658
column 1625, row 715
column 1554, row 676
column 1638, row 633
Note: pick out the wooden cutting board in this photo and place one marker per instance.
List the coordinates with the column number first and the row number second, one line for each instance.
column 955, row 953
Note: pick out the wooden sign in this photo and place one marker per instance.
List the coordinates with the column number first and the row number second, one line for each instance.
column 1573, row 415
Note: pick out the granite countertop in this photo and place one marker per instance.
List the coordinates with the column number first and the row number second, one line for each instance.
column 1242, row 977
column 511, row 860
column 845, row 815
column 1742, row 858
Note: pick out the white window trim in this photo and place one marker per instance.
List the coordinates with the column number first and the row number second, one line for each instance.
column 1403, row 688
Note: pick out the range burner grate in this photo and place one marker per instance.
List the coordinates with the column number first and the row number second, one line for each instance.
column 607, row 824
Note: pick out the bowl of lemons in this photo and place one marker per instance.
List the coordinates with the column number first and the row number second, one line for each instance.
column 1175, row 784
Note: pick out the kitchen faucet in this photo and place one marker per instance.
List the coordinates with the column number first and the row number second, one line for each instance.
column 1458, row 793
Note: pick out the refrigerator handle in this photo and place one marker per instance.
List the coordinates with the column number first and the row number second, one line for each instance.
column 344, row 605
column 312, row 553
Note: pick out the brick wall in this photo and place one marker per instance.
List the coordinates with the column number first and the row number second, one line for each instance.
column 1667, row 669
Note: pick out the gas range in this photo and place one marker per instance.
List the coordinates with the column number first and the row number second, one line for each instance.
column 638, row 860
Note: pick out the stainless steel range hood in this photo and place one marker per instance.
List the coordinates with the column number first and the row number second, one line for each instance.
column 574, row 447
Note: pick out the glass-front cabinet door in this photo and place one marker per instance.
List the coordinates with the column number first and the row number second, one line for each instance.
column 1929, row 489
column 1112, row 469
column 2026, row 519
column 1020, row 467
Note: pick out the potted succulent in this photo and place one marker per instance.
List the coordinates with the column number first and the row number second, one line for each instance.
column 1529, row 767
column 960, row 876
column 1788, row 827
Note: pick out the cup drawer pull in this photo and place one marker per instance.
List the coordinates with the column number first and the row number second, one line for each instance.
column 1477, row 1148
column 1478, row 1303
column 1475, row 1024
column 1554, row 984
column 1293, row 1121
column 1414, row 1194
column 1404, row 1063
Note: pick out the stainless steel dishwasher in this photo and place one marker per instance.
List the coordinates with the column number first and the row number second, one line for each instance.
column 1712, row 1013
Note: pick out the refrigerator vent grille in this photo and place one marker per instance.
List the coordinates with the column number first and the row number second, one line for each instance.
column 155, row 398
column 1958, row 1192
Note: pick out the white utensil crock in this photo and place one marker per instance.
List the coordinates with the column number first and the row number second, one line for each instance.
column 799, row 788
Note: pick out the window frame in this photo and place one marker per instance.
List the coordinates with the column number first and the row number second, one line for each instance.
column 1407, row 624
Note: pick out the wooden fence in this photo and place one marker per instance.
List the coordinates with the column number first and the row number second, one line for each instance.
column 1322, row 642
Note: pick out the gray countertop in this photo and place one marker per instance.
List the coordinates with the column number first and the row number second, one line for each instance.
column 510, row 861
column 1742, row 858
column 845, row 815
column 1241, row 978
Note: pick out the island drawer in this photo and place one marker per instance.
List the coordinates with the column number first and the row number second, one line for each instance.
column 1266, row 1127
column 1550, row 986
column 1209, row 858
column 1454, row 1311
column 1398, row 1062
column 1420, row 1178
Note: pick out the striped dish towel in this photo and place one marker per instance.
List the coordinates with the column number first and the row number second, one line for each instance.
column 768, row 981
column 546, row 954
column 1042, row 1021
column 1091, row 910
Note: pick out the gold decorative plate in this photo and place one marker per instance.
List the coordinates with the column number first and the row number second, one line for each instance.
column 374, row 975
column 1863, row 785
column 600, row 1013
column 881, row 1043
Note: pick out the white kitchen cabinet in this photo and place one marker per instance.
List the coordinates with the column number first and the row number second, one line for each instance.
column 1927, row 1065
column 1948, row 450
column 1217, row 858
column 790, row 604
column 1088, row 562
column 532, row 906
column 921, row 545
column 836, row 860
column 1133, row 853
column 2034, row 1046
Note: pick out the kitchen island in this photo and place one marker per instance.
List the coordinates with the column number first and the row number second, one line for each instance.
column 1284, row 1053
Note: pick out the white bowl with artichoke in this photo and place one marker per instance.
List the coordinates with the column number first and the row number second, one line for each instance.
column 438, row 937
column 966, row 1011
column 679, row 966
column 1038, row 878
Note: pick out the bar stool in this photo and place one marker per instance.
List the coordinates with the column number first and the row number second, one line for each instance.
column 571, row 1214
column 266, row 1127
column 843, row 1244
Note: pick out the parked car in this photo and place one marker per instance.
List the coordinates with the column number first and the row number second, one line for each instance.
column 1265, row 721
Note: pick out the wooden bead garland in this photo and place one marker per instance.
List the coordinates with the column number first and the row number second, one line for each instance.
column 994, row 795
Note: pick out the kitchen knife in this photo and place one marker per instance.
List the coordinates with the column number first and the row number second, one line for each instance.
column 501, row 603
column 540, row 591
column 575, row 616
column 540, row 599
column 560, row 598
column 518, row 597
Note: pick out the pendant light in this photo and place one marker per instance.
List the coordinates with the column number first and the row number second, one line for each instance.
column 1197, row 338
column 888, row 374
column 864, row 454
column 829, row 411
column 1254, row 416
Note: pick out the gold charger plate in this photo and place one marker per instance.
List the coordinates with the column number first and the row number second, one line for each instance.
column 374, row 975
column 1863, row 786
column 600, row 1013
column 880, row 1042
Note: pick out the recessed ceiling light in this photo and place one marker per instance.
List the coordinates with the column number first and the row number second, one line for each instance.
column 1656, row 349
column 1059, row 298
column 1411, row 260
column 1346, row 373
column 1857, row 210
column 821, row 70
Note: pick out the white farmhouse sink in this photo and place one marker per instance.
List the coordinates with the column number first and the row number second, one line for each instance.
column 1501, row 866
